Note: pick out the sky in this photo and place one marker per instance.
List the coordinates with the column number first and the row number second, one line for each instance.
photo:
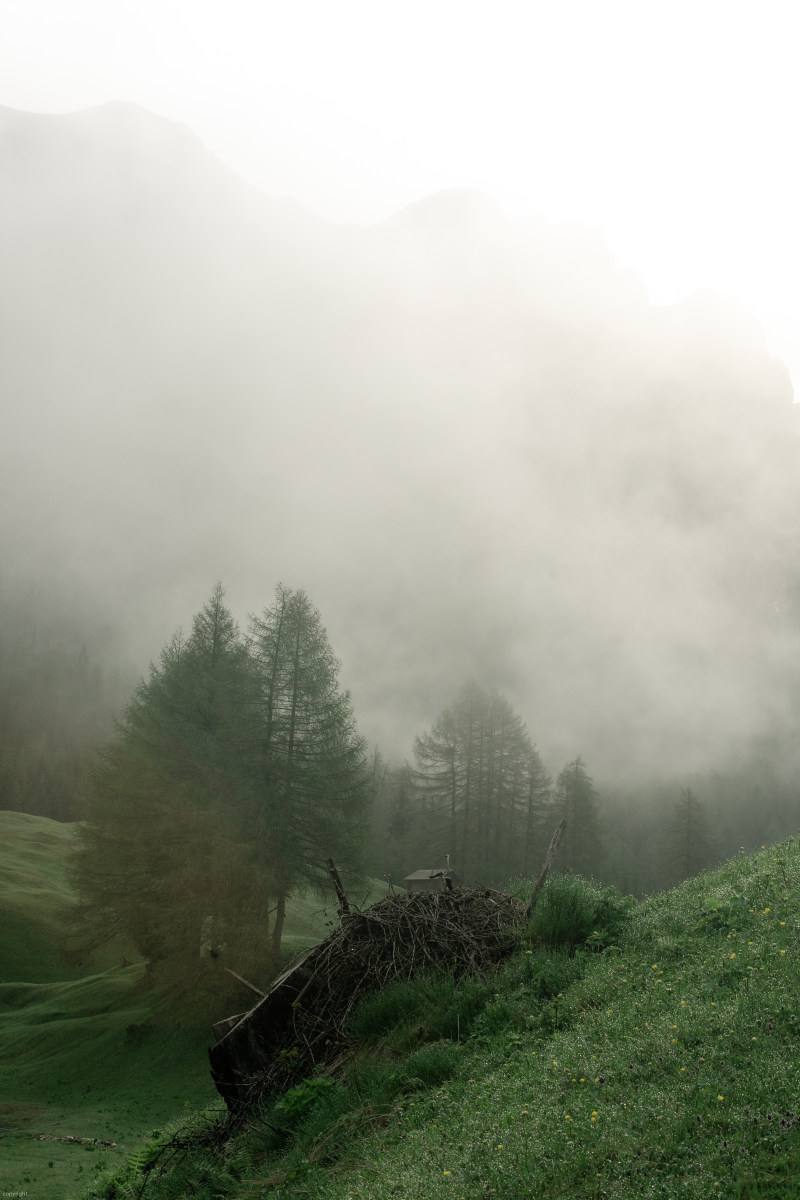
column 669, row 125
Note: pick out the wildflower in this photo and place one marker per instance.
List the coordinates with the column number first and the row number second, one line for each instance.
column 683, row 1001
column 445, row 1172
column 500, row 1147
column 567, row 1117
column 767, row 910
column 783, row 952
column 720, row 1097
column 655, row 967
column 594, row 1112
column 555, row 1062
column 781, row 922
column 732, row 955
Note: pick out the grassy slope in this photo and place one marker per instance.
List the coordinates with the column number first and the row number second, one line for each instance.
column 673, row 1072
column 82, row 1055
column 668, row 1069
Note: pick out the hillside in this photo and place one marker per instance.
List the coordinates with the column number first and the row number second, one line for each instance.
column 86, row 1053
column 659, row 1061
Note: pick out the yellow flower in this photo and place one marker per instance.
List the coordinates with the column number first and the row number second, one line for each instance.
column 445, row 1172
column 783, row 952
column 720, row 1097
column 594, row 1118
column 733, row 955
column 655, row 966
column 594, row 1112
column 500, row 1147
column 766, row 910
column 567, row 1117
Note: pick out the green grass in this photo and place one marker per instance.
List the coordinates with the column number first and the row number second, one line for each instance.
column 84, row 1051
column 664, row 1065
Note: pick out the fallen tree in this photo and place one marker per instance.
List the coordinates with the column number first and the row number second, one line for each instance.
column 299, row 1025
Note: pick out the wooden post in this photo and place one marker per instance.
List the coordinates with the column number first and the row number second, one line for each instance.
column 344, row 904
column 546, row 865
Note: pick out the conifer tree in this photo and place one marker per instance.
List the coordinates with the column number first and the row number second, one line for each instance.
column 482, row 788
column 578, row 803
column 314, row 781
column 236, row 771
column 689, row 843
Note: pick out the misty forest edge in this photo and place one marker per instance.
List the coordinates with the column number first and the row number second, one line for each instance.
column 236, row 770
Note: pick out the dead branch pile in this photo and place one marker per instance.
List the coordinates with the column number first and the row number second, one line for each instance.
column 300, row 1024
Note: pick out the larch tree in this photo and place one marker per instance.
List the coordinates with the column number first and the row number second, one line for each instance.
column 313, row 789
column 578, row 803
column 235, row 772
column 163, row 859
column 689, row 845
column 483, row 790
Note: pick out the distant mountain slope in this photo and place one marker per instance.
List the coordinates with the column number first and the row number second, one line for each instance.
column 472, row 441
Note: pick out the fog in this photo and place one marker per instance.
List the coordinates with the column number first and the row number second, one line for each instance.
column 473, row 441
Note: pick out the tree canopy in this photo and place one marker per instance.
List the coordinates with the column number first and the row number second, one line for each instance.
column 235, row 772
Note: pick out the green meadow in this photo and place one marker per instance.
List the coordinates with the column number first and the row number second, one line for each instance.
column 625, row 1050
column 85, row 1051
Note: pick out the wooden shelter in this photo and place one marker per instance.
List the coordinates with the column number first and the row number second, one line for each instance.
column 439, row 879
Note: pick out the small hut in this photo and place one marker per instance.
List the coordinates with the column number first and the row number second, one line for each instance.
column 440, row 879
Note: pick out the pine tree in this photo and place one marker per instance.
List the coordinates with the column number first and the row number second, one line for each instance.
column 482, row 788
column 689, row 843
column 314, row 781
column 236, row 772
column 163, row 859
column 578, row 803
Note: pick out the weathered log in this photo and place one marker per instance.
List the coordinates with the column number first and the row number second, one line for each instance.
column 301, row 1023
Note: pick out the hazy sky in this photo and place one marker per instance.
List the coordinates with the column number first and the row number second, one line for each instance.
column 671, row 125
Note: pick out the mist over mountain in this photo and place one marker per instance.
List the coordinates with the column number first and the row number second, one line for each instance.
column 473, row 442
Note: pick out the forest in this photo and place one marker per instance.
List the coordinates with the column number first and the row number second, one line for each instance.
column 234, row 770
